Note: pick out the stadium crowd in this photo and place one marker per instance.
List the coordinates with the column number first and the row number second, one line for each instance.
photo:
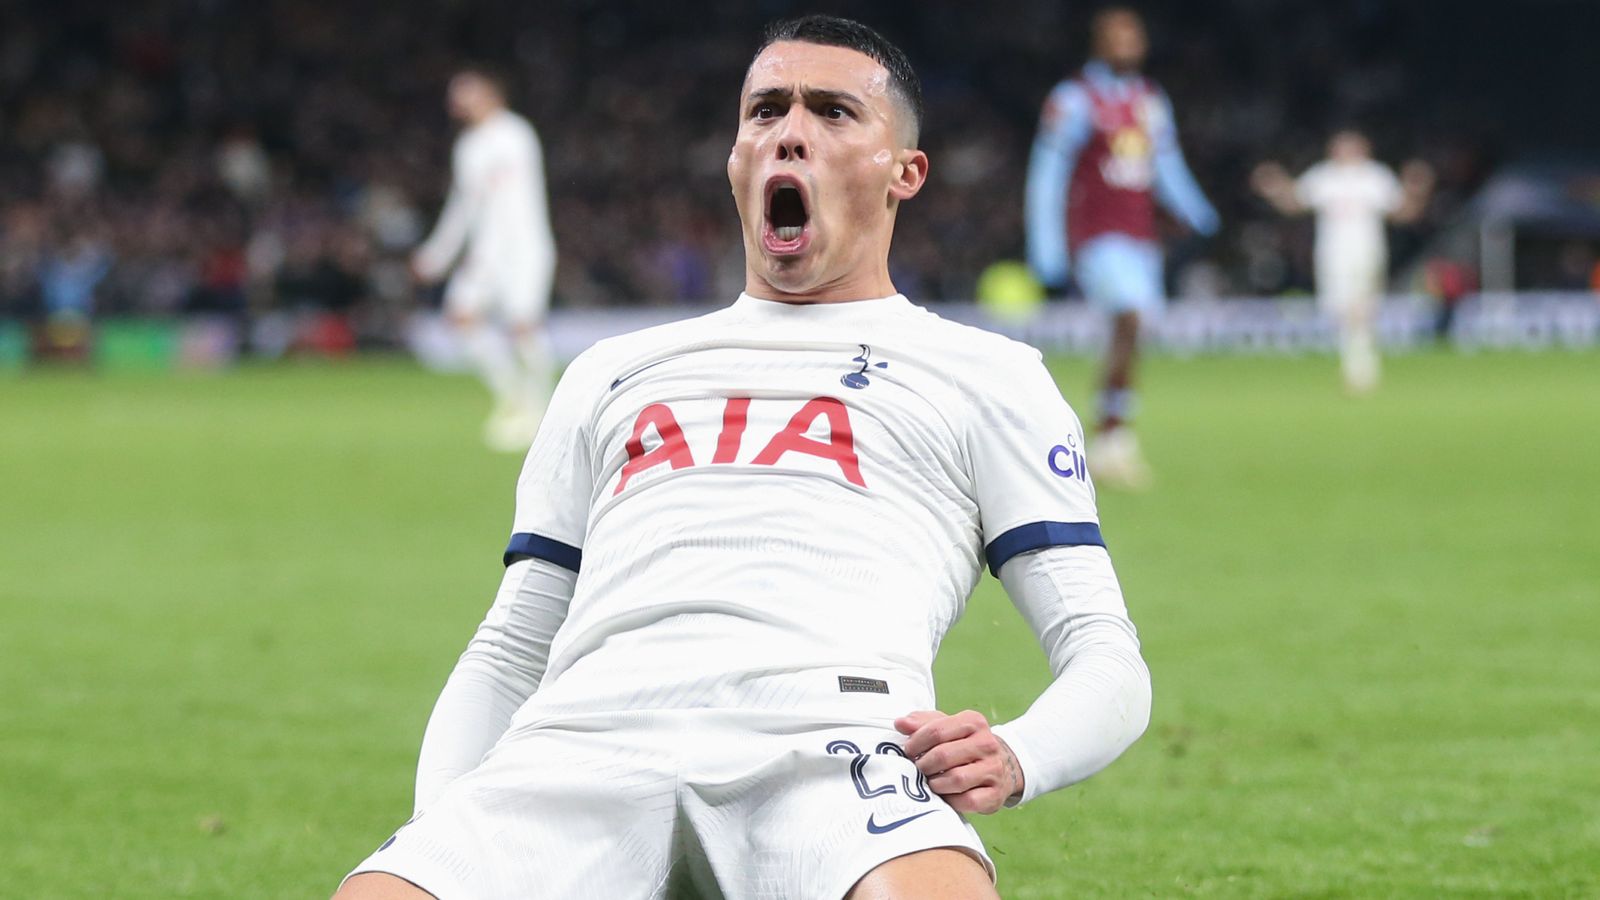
column 224, row 156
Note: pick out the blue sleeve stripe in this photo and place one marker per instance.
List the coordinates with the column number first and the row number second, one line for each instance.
column 1037, row 535
column 524, row 544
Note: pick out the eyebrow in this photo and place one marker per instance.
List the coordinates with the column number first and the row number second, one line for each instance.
column 783, row 93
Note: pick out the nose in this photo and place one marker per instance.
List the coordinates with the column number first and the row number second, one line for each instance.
column 792, row 140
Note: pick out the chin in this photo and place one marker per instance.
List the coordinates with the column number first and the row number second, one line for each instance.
column 791, row 276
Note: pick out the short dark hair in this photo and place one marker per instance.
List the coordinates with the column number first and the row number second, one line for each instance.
column 833, row 31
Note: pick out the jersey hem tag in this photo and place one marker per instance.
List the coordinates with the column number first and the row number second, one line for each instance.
column 853, row 684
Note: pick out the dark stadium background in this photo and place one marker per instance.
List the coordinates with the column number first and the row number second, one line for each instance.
column 244, row 157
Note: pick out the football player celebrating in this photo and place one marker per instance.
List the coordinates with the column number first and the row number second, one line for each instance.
column 739, row 540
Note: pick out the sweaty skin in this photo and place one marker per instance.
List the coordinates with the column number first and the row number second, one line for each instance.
column 824, row 117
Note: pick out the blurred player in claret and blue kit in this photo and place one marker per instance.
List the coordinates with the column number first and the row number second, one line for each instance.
column 739, row 541
column 1106, row 153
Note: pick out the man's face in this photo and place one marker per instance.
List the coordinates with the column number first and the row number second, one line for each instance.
column 819, row 165
column 1121, row 41
column 1349, row 146
column 471, row 98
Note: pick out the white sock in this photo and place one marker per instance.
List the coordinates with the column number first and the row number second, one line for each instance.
column 1358, row 358
column 538, row 367
column 491, row 356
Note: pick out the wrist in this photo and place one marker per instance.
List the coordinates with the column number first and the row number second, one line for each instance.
column 1016, row 781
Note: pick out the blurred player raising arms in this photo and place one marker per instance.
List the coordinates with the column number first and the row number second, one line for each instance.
column 739, row 541
column 1351, row 194
column 498, row 215
column 1106, row 151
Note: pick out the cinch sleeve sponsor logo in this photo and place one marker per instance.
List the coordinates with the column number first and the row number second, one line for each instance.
column 1067, row 460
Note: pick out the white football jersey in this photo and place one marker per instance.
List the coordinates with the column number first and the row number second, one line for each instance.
column 496, row 217
column 775, row 505
column 1350, row 201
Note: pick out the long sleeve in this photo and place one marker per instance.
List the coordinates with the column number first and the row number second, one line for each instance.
column 1099, row 702
column 1175, row 186
column 500, row 669
column 450, row 233
column 1063, row 130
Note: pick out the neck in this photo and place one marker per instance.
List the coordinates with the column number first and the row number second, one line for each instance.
column 868, row 284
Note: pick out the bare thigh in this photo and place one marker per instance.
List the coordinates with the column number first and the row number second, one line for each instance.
column 379, row 886
column 938, row 874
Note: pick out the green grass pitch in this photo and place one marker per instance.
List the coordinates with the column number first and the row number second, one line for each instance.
column 227, row 604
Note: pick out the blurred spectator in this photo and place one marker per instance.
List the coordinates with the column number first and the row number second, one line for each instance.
column 70, row 273
column 1448, row 281
column 243, row 167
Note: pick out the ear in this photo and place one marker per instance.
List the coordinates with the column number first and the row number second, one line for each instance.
column 910, row 173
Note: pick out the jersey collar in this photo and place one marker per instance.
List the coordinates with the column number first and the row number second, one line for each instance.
column 1104, row 77
column 755, row 307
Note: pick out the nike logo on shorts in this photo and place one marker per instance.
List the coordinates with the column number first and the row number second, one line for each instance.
column 875, row 828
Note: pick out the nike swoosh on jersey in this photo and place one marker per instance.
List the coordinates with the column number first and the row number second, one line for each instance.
column 641, row 369
column 875, row 828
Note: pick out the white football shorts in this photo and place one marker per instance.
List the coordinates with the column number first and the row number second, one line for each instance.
column 672, row 803
column 516, row 294
column 1349, row 281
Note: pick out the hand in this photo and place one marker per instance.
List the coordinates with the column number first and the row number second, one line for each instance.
column 1416, row 177
column 419, row 274
column 1052, row 277
column 964, row 761
column 1270, row 179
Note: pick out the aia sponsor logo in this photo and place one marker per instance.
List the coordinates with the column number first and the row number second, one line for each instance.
column 673, row 448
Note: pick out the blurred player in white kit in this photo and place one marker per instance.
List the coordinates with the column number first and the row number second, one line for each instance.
column 739, row 541
column 495, row 230
column 1351, row 195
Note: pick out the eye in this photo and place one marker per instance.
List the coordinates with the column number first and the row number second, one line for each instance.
column 835, row 111
column 763, row 111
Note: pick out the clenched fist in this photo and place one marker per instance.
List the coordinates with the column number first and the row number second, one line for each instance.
column 964, row 761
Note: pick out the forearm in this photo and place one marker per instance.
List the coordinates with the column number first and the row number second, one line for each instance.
column 1180, row 193
column 1093, row 712
column 471, row 713
column 1044, row 211
column 500, row 669
column 1099, row 702
column 1286, row 202
column 1281, row 194
column 441, row 248
column 1411, row 209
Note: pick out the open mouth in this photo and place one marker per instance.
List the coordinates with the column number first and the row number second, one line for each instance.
column 786, row 214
